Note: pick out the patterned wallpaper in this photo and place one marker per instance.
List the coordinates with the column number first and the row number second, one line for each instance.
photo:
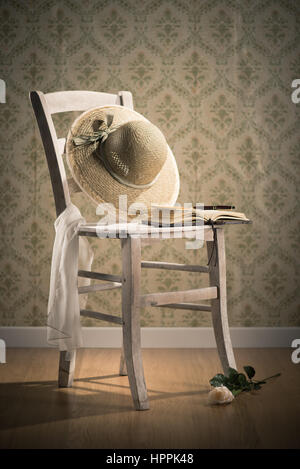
column 215, row 76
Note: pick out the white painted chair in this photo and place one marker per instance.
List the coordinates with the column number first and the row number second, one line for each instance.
column 44, row 106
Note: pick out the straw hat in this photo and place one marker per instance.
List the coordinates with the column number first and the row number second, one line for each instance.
column 113, row 150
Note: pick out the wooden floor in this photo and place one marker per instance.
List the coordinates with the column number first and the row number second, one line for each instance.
column 97, row 412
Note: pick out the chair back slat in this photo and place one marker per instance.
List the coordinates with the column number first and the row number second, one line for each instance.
column 44, row 105
column 61, row 142
column 66, row 101
column 126, row 99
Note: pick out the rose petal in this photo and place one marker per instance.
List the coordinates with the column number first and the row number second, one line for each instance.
column 220, row 395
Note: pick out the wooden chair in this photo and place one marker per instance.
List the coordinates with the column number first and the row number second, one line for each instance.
column 44, row 106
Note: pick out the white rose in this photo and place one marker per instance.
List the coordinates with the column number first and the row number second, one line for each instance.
column 220, row 395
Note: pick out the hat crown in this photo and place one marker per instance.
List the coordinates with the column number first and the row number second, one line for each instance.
column 136, row 151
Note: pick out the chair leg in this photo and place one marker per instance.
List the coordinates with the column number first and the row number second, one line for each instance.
column 123, row 369
column 66, row 369
column 217, row 275
column 131, row 266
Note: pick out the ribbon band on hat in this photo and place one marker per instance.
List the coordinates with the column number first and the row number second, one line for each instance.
column 98, row 136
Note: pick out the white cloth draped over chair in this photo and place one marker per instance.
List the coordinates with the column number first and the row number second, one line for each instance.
column 69, row 250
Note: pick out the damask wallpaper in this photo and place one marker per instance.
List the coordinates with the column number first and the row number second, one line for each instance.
column 216, row 77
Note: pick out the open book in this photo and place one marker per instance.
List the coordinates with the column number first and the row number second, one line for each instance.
column 162, row 215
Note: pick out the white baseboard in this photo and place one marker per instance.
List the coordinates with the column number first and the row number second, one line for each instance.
column 159, row 337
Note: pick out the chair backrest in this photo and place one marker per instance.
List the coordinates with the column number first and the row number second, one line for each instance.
column 44, row 105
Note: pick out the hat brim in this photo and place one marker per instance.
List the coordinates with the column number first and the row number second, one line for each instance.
column 93, row 178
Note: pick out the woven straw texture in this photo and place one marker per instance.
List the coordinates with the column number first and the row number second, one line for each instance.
column 141, row 149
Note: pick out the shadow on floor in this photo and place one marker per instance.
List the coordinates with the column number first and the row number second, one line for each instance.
column 38, row 402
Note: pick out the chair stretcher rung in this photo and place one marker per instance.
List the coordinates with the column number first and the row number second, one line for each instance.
column 172, row 266
column 101, row 316
column 192, row 306
column 99, row 276
column 105, row 286
column 165, row 298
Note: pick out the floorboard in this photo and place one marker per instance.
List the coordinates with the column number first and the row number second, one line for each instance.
column 98, row 413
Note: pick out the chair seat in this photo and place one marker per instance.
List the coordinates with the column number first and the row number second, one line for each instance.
column 120, row 230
